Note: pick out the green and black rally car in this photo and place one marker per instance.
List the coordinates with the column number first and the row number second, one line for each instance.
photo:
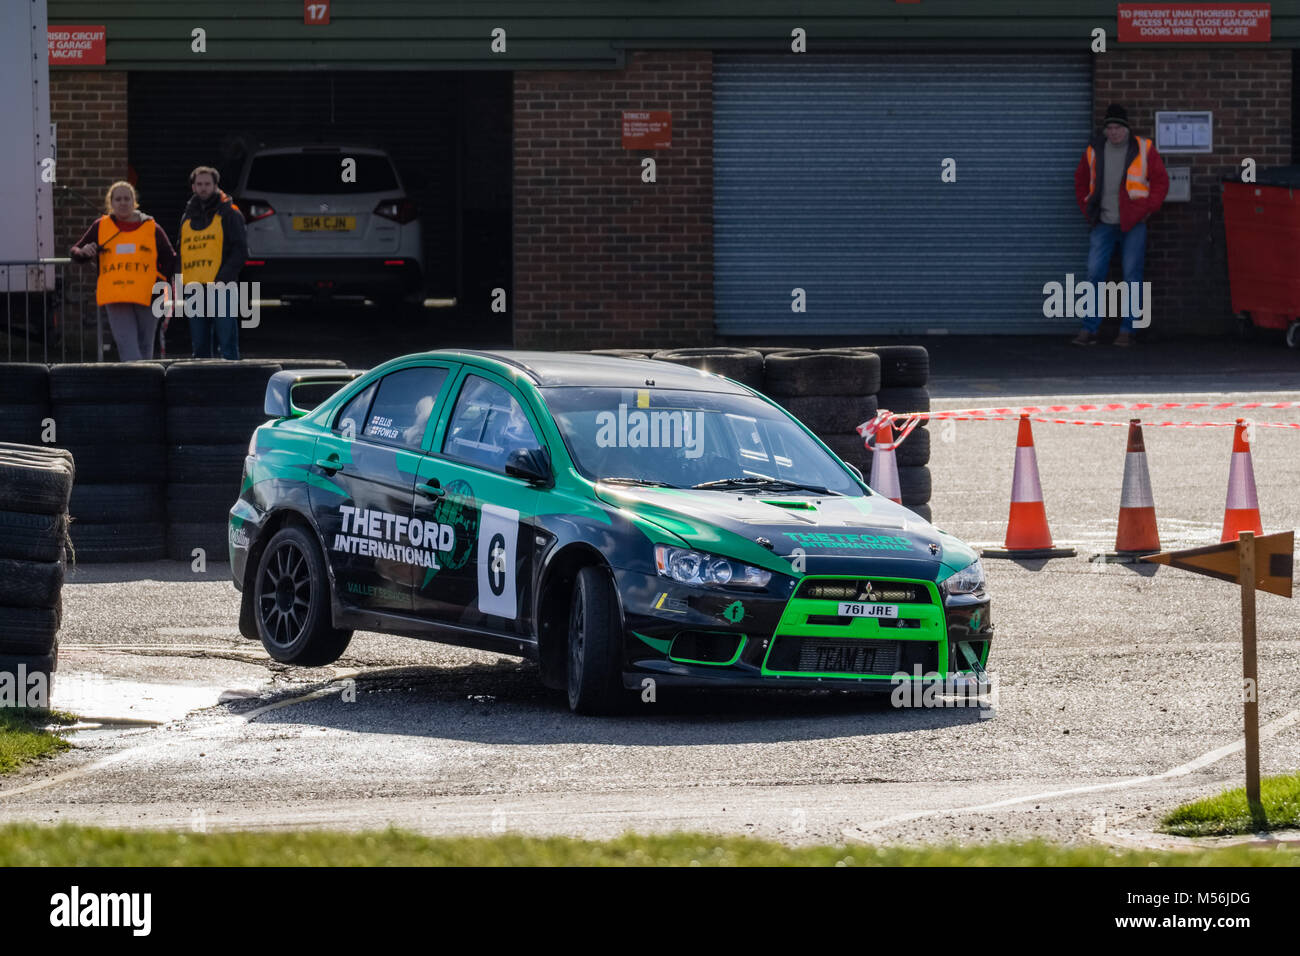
column 619, row 521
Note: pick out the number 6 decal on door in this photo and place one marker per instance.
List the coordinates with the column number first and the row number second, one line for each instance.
column 498, row 532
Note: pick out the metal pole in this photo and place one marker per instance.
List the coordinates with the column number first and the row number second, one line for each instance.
column 1250, row 683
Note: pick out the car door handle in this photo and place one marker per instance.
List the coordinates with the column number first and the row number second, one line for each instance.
column 431, row 490
column 330, row 463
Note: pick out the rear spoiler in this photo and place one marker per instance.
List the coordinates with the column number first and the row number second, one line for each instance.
column 280, row 388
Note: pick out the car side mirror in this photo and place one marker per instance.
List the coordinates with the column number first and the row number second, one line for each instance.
column 531, row 464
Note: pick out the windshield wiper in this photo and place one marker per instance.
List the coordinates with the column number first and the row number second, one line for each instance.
column 766, row 482
column 637, row 481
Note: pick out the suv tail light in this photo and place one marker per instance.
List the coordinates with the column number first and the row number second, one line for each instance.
column 400, row 211
column 258, row 210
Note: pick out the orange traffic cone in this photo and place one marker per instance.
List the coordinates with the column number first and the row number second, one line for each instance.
column 1027, row 533
column 1137, row 533
column 1242, row 510
column 884, row 467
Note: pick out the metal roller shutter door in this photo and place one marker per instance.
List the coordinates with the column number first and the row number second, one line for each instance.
column 827, row 178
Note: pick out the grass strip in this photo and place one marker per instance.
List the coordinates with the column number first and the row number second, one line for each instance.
column 66, row 845
column 24, row 737
column 1228, row 813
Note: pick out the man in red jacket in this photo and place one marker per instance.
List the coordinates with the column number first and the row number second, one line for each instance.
column 1119, row 183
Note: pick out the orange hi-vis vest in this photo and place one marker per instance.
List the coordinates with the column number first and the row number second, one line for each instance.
column 201, row 251
column 1135, row 182
column 128, row 262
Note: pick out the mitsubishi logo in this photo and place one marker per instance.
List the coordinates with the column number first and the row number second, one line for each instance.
column 868, row 594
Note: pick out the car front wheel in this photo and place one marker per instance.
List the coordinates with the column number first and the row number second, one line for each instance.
column 292, row 602
column 595, row 671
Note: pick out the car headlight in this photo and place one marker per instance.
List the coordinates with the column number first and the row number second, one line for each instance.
column 697, row 567
column 967, row 580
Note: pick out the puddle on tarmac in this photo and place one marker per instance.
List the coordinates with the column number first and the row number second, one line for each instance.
column 96, row 698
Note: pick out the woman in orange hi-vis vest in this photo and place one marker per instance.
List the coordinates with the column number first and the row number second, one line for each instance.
column 134, row 253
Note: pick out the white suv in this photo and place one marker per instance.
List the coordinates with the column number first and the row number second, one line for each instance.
column 330, row 222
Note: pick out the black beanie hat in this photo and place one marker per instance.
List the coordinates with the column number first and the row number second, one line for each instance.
column 1115, row 114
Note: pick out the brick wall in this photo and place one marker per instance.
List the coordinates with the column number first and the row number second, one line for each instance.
column 1249, row 91
column 90, row 110
column 601, row 258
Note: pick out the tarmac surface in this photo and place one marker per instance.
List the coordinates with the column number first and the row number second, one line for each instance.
column 1117, row 686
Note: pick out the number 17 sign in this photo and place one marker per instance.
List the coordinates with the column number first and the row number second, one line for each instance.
column 316, row 12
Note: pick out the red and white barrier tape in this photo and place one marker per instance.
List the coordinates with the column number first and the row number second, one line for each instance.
column 868, row 430
column 973, row 413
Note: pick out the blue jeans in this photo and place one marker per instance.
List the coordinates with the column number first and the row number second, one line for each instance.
column 1133, row 250
column 224, row 327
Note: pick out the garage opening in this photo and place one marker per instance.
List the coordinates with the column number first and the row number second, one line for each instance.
column 448, row 134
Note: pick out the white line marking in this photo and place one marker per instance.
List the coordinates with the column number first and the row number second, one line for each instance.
column 1214, row 756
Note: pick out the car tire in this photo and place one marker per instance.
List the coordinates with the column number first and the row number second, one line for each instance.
column 30, row 583
column 130, row 541
column 915, row 449
column 595, row 645
column 115, row 424
column 204, row 504
column 830, row 414
column 914, row 485
column 291, row 602
column 922, row 511
column 28, row 630
column 900, row 401
column 30, row 664
column 116, row 504
column 902, row 365
column 811, row 372
column 34, row 484
column 109, row 464
column 212, row 537
column 213, row 424
column 89, row 383
column 22, row 422
column 208, row 464
column 33, row 537
column 740, row 365
column 199, row 381
column 622, row 353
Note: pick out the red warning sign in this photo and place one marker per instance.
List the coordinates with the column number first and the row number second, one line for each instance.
column 647, row 129
column 76, row 46
column 1195, row 22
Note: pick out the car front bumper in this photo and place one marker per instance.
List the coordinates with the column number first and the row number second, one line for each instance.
column 693, row 636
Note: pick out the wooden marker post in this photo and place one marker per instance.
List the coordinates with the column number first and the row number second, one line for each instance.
column 1265, row 563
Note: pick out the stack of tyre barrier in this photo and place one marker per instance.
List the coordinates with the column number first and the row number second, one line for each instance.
column 24, row 401
column 832, row 391
column 740, row 365
column 213, row 406
column 35, row 484
column 110, row 417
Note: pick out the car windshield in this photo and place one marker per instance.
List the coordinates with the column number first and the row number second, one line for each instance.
column 685, row 439
column 315, row 174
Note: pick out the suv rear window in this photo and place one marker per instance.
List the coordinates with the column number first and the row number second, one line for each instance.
column 319, row 173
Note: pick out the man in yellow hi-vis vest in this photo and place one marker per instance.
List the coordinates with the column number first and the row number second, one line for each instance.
column 1119, row 182
column 213, row 248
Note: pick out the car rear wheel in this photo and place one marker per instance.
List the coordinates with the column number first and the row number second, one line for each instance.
column 292, row 602
column 595, row 669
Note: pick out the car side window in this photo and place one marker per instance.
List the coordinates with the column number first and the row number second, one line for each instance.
column 487, row 425
column 353, row 417
column 403, row 402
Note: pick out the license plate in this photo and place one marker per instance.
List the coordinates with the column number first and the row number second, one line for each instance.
column 324, row 223
column 868, row 610
column 846, row 660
